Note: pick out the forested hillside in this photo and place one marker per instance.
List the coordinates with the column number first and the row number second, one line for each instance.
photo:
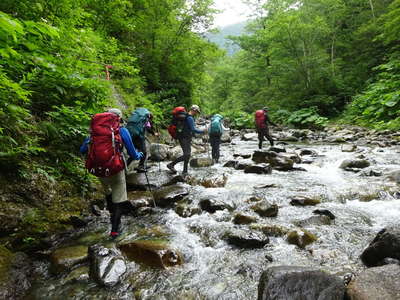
column 221, row 36
column 314, row 60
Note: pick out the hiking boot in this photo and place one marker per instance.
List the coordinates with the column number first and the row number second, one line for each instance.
column 114, row 235
column 171, row 167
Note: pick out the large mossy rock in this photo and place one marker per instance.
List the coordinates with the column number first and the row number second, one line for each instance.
column 15, row 274
column 376, row 283
column 212, row 205
column 107, row 266
column 265, row 209
column 386, row 244
column 241, row 219
column 158, row 152
column 270, row 229
column 304, row 201
column 277, row 161
column 153, row 253
column 258, row 169
column 64, row 259
column 394, row 176
column 210, row 181
column 354, row 164
column 246, row 239
column 138, row 181
column 314, row 221
column 299, row 283
column 201, row 162
column 300, row 238
column 167, row 196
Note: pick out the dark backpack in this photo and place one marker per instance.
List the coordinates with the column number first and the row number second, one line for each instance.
column 177, row 125
column 216, row 126
column 105, row 150
column 260, row 119
column 137, row 122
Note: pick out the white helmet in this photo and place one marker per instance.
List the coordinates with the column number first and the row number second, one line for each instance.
column 195, row 108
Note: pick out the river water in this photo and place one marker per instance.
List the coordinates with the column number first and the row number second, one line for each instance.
column 213, row 269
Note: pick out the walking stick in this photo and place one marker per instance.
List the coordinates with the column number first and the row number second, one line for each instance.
column 148, row 185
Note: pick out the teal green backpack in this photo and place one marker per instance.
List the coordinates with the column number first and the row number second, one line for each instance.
column 215, row 127
column 137, row 121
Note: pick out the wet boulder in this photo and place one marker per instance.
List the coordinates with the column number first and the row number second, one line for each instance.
column 185, row 210
column 270, row 229
column 138, row 181
column 394, row 176
column 231, row 164
column 265, row 209
column 242, row 154
column 324, row 212
column 304, row 201
column 16, row 270
column 138, row 199
column 212, row 181
column 249, row 137
column 348, row 148
column 107, row 266
column 300, row 238
column 371, row 172
column 166, row 196
column 288, row 137
column 355, row 163
column 277, row 149
column 313, row 221
column 64, row 259
column 293, row 156
column 258, row 169
column 376, row 283
column 226, row 137
column 212, row 205
column 153, row 253
column 299, row 283
column 158, row 152
column 309, row 152
column 241, row 219
column 243, row 164
column 246, row 239
column 386, row 244
column 201, row 162
column 277, row 161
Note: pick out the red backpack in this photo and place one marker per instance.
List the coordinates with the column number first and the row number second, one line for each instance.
column 179, row 115
column 260, row 119
column 105, row 149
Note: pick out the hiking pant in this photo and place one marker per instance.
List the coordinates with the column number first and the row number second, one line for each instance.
column 115, row 189
column 264, row 132
column 215, row 141
column 186, row 145
column 140, row 145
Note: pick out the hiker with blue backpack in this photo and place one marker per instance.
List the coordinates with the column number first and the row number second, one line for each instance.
column 215, row 132
column 139, row 123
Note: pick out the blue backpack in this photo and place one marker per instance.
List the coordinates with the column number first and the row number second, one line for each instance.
column 216, row 127
column 137, row 121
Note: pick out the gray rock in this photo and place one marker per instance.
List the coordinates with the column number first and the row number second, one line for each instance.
column 185, row 210
column 313, row 221
column 304, row 201
column 258, row 169
column 348, row 148
column 371, row 172
column 241, row 219
column 249, row 137
column 324, row 212
column 394, row 176
column 242, row 154
column 241, row 165
column 231, row 164
column 299, row 283
column 201, row 162
column 278, row 162
column 107, row 266
column 265, row 209
column 385, row 244
column 310, row 152
column 212, row 205
column 158, row 152
column 246, row 239
column 376, row 283
column 355, row 163
column 276, row 149
column 166, row 196
column 226, row 137
column 138, row 181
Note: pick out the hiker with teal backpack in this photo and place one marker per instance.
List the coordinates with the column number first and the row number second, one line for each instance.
column 139, row 123
column 215, row 133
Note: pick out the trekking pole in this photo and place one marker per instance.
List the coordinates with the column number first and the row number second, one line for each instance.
column 159, row 153
column 148, row 185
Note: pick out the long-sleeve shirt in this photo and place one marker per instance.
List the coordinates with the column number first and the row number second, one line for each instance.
column 191, row 125
column 126, row 140
column 268, row 120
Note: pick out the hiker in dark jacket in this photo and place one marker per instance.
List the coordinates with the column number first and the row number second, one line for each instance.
column 215, row 132
column 185, row 140
column 115, row 185
column 139, row 123
column 262, row 120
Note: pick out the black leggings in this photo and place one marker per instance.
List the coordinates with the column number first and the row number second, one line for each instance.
column 215, row 141
column 264, row 132
column 186, row 145
column 116, row 211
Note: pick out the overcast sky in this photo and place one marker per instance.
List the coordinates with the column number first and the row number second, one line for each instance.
column 233, row 11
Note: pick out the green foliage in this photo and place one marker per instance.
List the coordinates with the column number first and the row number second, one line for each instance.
column 379, row 105
column 307, row 118
column 239, row 119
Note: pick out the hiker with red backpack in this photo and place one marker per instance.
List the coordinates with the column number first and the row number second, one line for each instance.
column 139, row 123
column 183, row 128
column 105, row 160
column 262, row 120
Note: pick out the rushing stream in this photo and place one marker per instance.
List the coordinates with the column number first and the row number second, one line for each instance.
column 212, row 268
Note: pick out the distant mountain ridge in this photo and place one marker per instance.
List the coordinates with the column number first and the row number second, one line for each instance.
column 220, row 38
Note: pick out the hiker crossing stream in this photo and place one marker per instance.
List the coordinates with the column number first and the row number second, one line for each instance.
column 213, row 234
